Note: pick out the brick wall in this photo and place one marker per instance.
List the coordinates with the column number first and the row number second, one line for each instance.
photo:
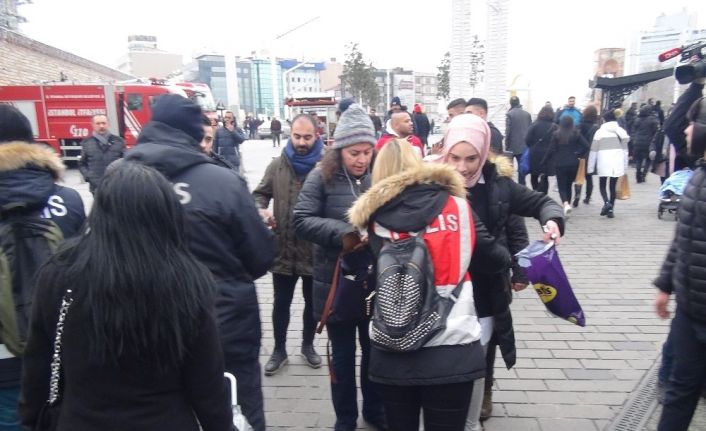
column 25, row 61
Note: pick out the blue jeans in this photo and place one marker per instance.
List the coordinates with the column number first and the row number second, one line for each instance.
column 688, row 373
column 8, row 409
column 343, row 387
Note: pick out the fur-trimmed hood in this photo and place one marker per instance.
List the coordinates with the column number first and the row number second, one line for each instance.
column 503, row 165
column 385, row 191
column 18, row 155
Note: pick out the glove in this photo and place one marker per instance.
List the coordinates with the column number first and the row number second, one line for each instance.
column 653, row 154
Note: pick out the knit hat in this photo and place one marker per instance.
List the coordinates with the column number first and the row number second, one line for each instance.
column 14, row 126
column 180, row 113
column 354, row 127
column 472, row 129
column 396, row 101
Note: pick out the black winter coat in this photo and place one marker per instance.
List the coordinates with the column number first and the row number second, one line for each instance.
column 496, row 139
column 566, row 155
column 643, row 130
column 676, row 122
column 224, row 228
column 538, row 139
column 684, row 269
column 588, row 130
column 226, row 143
column 27, row 175
column 320, row 216
column 95, row 158
column 505, row 198
column 128, row 396
column 423, row 127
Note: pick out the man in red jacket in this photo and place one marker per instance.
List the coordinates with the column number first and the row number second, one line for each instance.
column 400, row 126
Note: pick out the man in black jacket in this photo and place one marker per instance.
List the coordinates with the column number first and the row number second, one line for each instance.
column 98, row 151
column 228, row 138
column 225, row 233
column 683, row 272
column 676, row 122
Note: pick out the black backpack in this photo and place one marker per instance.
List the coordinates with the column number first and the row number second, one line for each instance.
column 408, row 311
column 26, row 242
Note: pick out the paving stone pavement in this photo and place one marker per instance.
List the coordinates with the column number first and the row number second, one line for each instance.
column 566, row 377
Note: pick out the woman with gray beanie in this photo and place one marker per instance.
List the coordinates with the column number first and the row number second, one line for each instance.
column 320, row 217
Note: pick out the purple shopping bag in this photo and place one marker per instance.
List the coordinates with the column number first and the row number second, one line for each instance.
column 544, row 270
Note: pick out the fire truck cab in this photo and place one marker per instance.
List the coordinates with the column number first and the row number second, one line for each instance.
column 61, row 114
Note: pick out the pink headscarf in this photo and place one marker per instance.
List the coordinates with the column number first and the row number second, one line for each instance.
column 474, row 130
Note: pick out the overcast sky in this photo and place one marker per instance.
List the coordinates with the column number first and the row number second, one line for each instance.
column 551, row 41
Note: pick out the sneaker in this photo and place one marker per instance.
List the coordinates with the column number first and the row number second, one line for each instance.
column 311, row 357
column 567, row 210
column 276, row 362
column 610, row 214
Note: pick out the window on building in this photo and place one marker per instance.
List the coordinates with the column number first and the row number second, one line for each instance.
column 134, row 102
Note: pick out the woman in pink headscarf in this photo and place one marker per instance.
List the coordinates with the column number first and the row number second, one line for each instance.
column 494, row 197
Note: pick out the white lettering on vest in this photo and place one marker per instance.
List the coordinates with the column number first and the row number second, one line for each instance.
column 446, row 222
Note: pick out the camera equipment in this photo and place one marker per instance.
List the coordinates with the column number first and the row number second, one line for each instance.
column 692, row 56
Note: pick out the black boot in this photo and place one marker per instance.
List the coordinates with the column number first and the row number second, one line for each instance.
column 276, row 362
column 609, row 213
column 605, row 208
column 577, row 195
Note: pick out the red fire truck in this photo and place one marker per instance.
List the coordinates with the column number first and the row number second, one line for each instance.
column 61, row 114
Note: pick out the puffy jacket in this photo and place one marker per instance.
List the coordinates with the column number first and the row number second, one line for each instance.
column 609, row 151
column 387, row 137
column 502, row 200
column 226, row 143
column 517, row 124
column 320, row 216
column 95, row 157
column 27, row 175
column 684, row 270
column 223, row 226
column 566, row 155
column 280, row 183
column 676, row 122
column 644, row 129
column 429, row 199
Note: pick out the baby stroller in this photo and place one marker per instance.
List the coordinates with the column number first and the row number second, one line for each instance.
column 671, row 191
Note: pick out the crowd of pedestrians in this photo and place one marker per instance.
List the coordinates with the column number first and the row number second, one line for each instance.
column 153, row 295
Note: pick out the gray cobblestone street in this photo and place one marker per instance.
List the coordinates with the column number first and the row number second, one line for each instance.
column 566, row 377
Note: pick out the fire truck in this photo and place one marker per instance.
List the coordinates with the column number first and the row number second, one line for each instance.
column 61, row 114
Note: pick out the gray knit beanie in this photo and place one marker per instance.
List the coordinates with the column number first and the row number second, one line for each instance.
column 354, row 127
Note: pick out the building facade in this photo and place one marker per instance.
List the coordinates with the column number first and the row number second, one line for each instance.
column 461, row 37
column 145, row 59
column 425, row 90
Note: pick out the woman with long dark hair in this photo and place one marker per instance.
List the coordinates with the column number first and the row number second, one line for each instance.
column 587, row 128
column 140, row 348
column 537, row 140
column 565, row 148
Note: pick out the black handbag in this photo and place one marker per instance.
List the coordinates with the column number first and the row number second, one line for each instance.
column 352, row 290
column 48, row 418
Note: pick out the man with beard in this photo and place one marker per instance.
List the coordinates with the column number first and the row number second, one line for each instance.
column 98, row 151
column 282, row 183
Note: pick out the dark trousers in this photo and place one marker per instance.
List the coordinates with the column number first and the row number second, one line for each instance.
column 602, row 183
column 540, row 183
column 284, row 286
column 520, row 177
column 275, row 139
column 253, row 133
column 343, row 386
column 688, row 374
column 589, row 185
column 565, row 177
column 642, row 164
column 445, row 406
column 665, row 368
column 490, row 361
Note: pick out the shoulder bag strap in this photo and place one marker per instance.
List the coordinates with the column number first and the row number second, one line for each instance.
column 56, row 361
column 329, row 299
